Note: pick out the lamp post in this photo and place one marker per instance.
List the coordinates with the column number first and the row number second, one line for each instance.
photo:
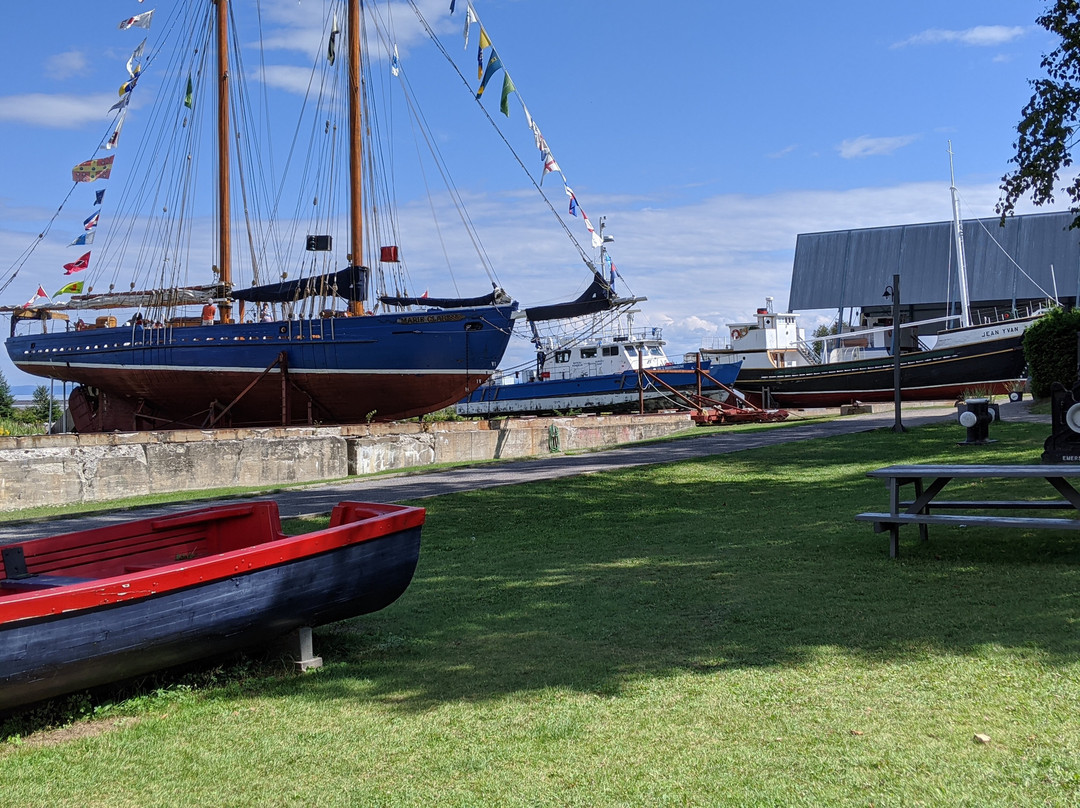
column 894, row 292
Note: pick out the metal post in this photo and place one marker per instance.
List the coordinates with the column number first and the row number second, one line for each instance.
column 897, row 425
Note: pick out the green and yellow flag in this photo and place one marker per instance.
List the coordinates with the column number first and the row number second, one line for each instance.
column 73, row 288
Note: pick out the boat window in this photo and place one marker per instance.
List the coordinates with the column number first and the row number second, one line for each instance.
column 631, row 350
column 562, row 356
column 588, row 353
column 654, row 351
column 611, row 350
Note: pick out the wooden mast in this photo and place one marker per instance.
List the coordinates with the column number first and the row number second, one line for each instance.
column 224, row 225
column 356, row 190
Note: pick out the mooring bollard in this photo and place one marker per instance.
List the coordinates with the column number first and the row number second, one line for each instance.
column 976, row 417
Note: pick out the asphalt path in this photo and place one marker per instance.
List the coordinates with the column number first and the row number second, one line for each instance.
column 321, row 498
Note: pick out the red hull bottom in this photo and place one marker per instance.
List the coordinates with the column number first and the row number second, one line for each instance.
column 223, row 399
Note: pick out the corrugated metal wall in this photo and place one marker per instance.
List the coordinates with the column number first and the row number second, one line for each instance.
column 852, row 267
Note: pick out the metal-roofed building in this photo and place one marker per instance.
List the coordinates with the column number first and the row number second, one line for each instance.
column 1007, row 267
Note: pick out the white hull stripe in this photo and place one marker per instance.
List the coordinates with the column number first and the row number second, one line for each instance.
column 46, row 366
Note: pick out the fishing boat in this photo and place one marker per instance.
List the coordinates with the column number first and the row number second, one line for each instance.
column 976, row 352
column 98, row 606
column 616, row 369
column 781, row 367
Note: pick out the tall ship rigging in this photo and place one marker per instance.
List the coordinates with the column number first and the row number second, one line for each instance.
column 313, row 327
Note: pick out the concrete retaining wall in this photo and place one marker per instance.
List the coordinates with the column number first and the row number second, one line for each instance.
column 66, row 469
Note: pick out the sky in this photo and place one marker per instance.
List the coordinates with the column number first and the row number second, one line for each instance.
column 707, row 134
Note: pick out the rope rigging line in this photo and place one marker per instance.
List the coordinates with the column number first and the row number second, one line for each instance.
column 1011, row 259
column 419, row 124
column 558, row 217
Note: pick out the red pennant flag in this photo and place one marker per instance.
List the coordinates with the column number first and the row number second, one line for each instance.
column 77, row 266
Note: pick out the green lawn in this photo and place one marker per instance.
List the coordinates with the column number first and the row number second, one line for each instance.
column 715, row 632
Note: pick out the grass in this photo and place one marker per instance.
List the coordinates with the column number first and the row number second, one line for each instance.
column 714, row 632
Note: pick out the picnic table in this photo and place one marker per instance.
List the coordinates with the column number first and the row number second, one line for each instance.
column 929, row 480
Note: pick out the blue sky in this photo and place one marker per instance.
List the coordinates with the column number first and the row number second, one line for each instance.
column 708, row 134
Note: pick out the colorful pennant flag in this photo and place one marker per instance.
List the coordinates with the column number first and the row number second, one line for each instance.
column 133, row 66
column 549, row 162
column 596, row 240
column 574, row 206
column 98, row 196
column 125, row 99
column 484, row 43
column 138, row 21
column 39, row 293
column 78, row 265
column 395, row 65
column 611, row 269
column 129, row 85
column 188, row 99
column 91, row 170
column 91, row 221
column 114, row 138
column 73, row 288
column 508, row 87
column 331, row 48
column 494, row 65
column 84, row 240
column 470, row 17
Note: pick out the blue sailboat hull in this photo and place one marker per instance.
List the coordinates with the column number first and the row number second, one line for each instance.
column 334, row 370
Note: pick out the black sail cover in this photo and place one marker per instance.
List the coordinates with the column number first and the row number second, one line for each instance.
column 350, row 284
column 443, row 302
column 598, row 297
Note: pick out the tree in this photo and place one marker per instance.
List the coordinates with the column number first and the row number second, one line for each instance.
column 43, row 404
column 1050, row 120
column 7, row 399
column 1050, row 350
column 820, row 348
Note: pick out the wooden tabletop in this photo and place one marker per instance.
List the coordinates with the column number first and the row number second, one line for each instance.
column 973, row 471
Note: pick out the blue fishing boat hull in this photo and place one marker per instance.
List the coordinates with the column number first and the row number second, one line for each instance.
column 613, row 392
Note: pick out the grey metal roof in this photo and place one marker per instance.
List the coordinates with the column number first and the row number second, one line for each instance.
column 852, row 267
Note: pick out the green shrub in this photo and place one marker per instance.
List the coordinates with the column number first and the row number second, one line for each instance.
column 1050, row 350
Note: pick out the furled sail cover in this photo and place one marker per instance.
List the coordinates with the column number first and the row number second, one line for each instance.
column 496, row 295
column 598, row 297
column 350, row 284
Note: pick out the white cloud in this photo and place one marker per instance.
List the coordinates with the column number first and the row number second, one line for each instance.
column 979, row 36
column 63, row 65
column 784, row 152
column 866, row 146
column 285, row 77
column 56, row 111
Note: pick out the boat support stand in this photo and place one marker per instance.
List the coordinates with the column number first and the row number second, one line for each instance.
column 709, row 410
column 281, row 362
column 298, row 647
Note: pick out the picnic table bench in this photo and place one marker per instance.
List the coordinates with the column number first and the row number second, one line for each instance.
column 929, row 480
